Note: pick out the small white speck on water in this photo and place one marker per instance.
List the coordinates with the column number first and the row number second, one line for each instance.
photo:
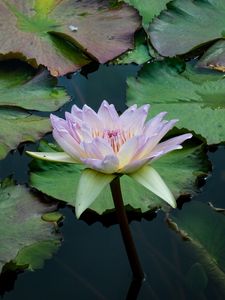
column 73, row 28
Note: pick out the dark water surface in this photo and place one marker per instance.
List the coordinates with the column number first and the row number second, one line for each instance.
column 91, row 264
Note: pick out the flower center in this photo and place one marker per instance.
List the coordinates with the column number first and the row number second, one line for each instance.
column 116, row 138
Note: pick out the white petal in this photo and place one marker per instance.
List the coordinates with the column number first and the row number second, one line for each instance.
column 150, row 178
column 129, row 149
column 133, row 166
column 90, row 186
column 53, row 156
column 108, row 165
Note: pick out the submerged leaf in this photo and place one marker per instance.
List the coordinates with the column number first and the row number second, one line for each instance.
column 196, row 99
column 204, row 231
column 25, row 239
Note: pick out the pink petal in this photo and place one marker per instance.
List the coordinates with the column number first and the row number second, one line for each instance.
column 58, row 122
column 134, row 119
column 90, row 118
column 153, row 140
column 91, row 150
column 108, row 165
column 77, row 112
column 169, row 145
column 68, row 143
column 152, row 126
column 108, row 115
column 103, row 146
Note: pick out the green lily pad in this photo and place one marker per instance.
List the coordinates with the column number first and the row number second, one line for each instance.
column 139, row 55
column 148, row 9
column 21, row 87
column 187, row 24
column 25, row 239
column 197, row 100
column 204, row 229
column 179, row 170
column 49, row 33
column 18, row 126
column 214, row 57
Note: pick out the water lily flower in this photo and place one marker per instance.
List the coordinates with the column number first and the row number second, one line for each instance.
column 109, row 145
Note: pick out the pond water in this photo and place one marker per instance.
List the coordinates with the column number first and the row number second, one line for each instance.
column 91, row 264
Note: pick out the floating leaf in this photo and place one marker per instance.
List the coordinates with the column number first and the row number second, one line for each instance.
column 197, row 100
column 138, row 55
column 187, row 24
column 49, row 34
column 148, row 9
column 25, row 239
column 179, row 170
column 204, row 230
column 214, row 57
column 20, row 87
column 17, row 127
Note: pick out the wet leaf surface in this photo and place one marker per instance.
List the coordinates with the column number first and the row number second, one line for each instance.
column 25, row 239
column 197, row 99
column 50, row 34
column 178, row 169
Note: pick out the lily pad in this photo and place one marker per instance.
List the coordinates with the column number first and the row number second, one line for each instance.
column 18, row 126
column 139, row 55
column 25, row 239
column 204, row 229
column 148, row 9
column 21, row 87
column 187, row 24
column 196, row 99
column 214, row 57
column 50, row 33
column 179, row 170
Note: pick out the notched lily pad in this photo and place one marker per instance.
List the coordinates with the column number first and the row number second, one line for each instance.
column 186, row 25
column 204, row 231
column 179, row 170
column 21, row 87
column 18, row 126
column 50, row 33
column 197, row 99
column 25, row 239
column 139, row 55
column 214, row 57
column 148, row 9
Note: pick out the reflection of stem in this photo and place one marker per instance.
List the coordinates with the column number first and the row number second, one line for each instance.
column 125, row 230
column 134, row 289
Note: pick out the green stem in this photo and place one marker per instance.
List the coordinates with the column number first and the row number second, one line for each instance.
column 125, row 230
